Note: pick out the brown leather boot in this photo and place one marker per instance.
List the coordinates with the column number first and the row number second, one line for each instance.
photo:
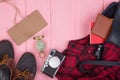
column 26, row 67
column 6, row 60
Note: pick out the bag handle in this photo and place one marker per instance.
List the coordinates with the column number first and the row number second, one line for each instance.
column 103, row 63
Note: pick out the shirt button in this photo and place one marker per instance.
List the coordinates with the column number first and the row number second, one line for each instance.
column 72, row 46
column 89, row 51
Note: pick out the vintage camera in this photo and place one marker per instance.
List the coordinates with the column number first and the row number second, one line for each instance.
column 52, row 63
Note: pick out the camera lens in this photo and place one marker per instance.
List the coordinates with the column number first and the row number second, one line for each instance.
column 52, row 52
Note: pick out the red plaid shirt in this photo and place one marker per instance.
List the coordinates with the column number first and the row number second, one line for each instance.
column 80, row 50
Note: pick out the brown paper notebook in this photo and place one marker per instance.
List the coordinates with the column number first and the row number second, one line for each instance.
column 27, row 27
column 102, row 26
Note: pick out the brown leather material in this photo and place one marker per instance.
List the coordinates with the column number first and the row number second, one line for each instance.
column 9, row 62
column 25, row 69
column 10, row 65
column 26, row 74
column 102, row 26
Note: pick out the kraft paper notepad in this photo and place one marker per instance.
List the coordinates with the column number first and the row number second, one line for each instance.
column 94, row 39
column 100, row 29
column 27, row 27
column 102, row 26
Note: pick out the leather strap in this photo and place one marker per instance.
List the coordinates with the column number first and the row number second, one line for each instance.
column 102, row 63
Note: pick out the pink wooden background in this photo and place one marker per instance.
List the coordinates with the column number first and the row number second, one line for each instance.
column 67, row 20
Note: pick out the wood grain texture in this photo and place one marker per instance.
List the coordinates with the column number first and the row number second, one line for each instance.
column 67, row 20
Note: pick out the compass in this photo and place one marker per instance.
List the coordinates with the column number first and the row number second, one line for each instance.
column 40, row 45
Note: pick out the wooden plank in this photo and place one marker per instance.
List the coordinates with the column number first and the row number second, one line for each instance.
column 7, row 14
column 86, row 10
column 63, row 24
column 43, row 6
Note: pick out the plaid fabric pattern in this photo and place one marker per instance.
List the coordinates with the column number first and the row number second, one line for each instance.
column 81, row 50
